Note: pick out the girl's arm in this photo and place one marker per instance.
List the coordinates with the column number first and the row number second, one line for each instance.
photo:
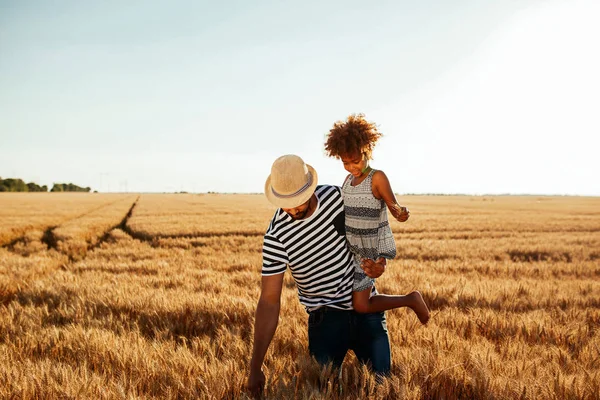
column 383, row 190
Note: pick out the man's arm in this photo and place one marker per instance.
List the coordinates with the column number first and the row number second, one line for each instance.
column 265, row 324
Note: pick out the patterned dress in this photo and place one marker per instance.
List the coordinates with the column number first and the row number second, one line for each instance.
column 367, row 228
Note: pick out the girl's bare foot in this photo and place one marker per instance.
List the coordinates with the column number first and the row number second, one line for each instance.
column 419, row 307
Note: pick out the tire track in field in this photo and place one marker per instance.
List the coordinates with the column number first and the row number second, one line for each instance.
column 145, row 237
column 101, row 239
column 502, row 232
column 457, row 234
column 122, row 226
column 10, row 293
column 47, row 235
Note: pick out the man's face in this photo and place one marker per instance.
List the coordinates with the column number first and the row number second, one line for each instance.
column 298, row 212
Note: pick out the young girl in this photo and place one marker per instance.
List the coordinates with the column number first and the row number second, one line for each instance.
column 366, row 193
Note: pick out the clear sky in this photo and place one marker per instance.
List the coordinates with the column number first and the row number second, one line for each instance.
column 478, row 96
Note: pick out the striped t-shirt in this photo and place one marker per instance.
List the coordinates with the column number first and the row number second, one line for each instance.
column 315, row 250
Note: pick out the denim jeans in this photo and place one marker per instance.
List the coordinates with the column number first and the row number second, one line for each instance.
column 332, row 332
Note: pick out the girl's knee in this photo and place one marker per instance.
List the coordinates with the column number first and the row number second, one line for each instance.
column 361, row 307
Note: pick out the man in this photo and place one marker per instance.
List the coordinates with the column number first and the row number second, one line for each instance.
column 307, row 234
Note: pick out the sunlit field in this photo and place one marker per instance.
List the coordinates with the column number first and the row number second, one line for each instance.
column 153, row 296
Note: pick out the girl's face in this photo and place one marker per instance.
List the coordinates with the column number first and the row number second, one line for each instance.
column 355, row 163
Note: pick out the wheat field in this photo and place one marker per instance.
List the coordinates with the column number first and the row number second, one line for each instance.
column 122, row 296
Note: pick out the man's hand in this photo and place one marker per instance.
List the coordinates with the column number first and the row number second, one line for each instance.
column 265, row 323
column 256, row 383
column 374, row 269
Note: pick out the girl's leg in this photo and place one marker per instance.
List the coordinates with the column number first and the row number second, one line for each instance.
column 362, row 303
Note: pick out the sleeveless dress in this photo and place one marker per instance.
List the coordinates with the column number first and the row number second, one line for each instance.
column 368, row 230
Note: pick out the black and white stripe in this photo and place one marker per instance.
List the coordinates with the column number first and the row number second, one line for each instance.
column 315, row 250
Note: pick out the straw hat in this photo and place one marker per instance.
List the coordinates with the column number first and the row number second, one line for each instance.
column 291, row 183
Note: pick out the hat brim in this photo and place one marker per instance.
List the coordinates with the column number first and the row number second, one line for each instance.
column 291, row 202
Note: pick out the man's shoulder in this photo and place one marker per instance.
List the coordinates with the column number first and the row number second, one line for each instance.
column 327, row 186
column 275, row 220
column 329, row 194
column 324, row 189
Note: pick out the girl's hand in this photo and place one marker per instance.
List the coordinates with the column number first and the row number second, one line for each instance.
column 400, row 213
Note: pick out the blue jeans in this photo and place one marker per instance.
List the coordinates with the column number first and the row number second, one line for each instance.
column 332, row 332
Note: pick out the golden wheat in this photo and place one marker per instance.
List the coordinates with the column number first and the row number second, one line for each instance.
column 22, row 213
column 185, row 215
column 163, row 305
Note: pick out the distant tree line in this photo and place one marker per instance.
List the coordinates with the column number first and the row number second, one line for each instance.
column 68, row 187
column 18, row 185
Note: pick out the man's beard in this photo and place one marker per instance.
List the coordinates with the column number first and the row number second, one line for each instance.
column 300, row 215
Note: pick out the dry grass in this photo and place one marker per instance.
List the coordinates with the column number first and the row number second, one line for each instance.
column 76, row 236
column 513, row 283
column 187, row 215
column 22, row 213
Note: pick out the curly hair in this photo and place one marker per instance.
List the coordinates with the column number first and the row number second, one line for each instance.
column 356, row 135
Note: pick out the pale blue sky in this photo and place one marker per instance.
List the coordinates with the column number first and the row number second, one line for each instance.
column 472, row 96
